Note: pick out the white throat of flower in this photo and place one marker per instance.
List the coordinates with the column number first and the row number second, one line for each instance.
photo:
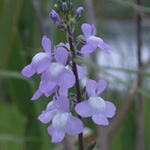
column 60, row 121
column 55, row 69
column 98, row 104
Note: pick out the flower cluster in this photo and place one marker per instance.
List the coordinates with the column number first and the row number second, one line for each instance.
column 59, row 72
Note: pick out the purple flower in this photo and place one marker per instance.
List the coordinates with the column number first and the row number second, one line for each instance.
column 53, row 77
column 55, row 17
column 47, row 91
column 92, row 42
column 62, row 120
column 95, row 106
column 79, row 10
column 58, row 72
column 40, row 61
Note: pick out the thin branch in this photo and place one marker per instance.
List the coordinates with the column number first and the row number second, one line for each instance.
column 139, row 101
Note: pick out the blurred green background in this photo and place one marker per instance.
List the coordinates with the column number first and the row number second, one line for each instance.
column 22, row 25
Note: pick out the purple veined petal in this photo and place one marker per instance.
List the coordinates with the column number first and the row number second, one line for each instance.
column 91, row 87
column 100, row 119
column 46, row 43
column 50, row 106
column 66, row 79
column 86, row 49
column 93, row 42
column 101, row 86
column 63, row 91
column 110, row 109
column 80, row 72
column 50, row 87
column 97, row 104
column 104, row 46
column 94, row 30
column 87, row 30
column 48, row 115
column 62, row 104
column 74, row 126
column 61, row 55
column 57, row 136
column 41, row 61
column 28, row 71
column 59, row 122
column 84, row 109
column 50, row 92
column 53, row 72
column 37, row 94
column 46, row 86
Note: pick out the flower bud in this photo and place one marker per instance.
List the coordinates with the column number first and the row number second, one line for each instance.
column 64, row 7
column 79, row 10
column 55, row 17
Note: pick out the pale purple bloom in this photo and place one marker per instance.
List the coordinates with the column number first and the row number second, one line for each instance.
column 62, row 120
column 47, row 91
column 92, row 42
column 79, row 10
column 40, row 61
column 95, row 106
column 55, row 17
column 58, row 72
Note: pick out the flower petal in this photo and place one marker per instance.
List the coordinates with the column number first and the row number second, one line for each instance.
column 62, row 104
column 37, row 94
column 41, row 61
column 100, row 119
column 66, row 79
column 57, row 136
column 91, row 87
column 61, row 55
column 93, row 42
column 94, row 30
column 86, row 49
column 84, row 109
column 104, row 46
column 48, row 115
column 47, row 86
column 63, row 91
column 87, row 30
column 46, row 43
column 80, row 72
column 97, row 104
column 101, row 86
column 28, row 71
column 74, row 126
column 48, row 92
column 110, row 109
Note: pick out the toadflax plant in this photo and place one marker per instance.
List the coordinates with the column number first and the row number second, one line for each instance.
column 59, row 72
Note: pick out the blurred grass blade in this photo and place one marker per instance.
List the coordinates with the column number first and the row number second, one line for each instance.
column 16, row 75
column 102, row 69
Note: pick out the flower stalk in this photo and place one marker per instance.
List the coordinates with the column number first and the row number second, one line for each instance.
column 74, row 67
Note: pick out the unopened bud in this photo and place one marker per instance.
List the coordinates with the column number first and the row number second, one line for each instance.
column 64, row 7
column 79, row 10
column 55, row 17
